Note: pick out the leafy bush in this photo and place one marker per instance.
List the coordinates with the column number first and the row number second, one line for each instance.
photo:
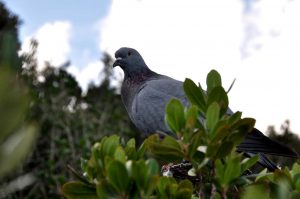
column 211, row 168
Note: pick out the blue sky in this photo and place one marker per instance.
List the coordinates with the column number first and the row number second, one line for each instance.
column 256, row 42
column 83, row 15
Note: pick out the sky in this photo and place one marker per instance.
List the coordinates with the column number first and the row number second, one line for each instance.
column 255, row 42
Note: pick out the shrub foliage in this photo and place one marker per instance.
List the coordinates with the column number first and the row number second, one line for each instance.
column 208, row 146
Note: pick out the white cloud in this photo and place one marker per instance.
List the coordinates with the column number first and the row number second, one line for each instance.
column 176, row 34
column 53, row 43
column 54, row 46
column 87, row 74
column 269, row 79
column 189, row 38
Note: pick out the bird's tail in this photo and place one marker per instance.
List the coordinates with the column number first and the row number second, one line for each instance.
column 256, row 142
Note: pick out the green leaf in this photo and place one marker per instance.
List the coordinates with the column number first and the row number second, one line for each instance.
column 233, row 169
column 139, row 173
column 240, row 130
column 245, row 125
column 105, row 190
column 196, row 140
column 296, row 169
column 145, row 175
column 225, row 149
column 257, row 191
column 220, row 169
column 120, row 154
column 141, row 150
column 131, row 143
column 16, row 147
column 78, row 190
column 212, row 116
column 164, row 189
column 213, row 80
column 247, row 163
column 195, row 94
column 219, row 95
column 109, row 145
column 191, row 117
column 167, row 150
column 221, row 131
column 175, row 115
column 185, row 184
column 234, row 118
column 78, row 175
column 130, row 149
column 297, row 182
column 237, row 137
column 153, row 167
column 14, row 102
column 212, row 149
column 294, row 195
column 184, row 193
column 263, row 175
column 118, row 176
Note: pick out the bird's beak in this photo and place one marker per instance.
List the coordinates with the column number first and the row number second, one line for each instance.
column 117, row 62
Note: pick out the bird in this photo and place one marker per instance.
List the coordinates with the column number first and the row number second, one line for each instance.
column 146, row 93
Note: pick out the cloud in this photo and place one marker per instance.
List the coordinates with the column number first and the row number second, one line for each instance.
column 177, row 36
column 90, row 73
column 269, row 80
column 53, row 43
column 257, row 45
column 54, row 46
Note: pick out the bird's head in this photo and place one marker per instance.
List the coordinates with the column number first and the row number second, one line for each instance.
column 129, row 60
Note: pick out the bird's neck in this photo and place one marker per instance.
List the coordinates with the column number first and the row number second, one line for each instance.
column 137, row 77
column 133, row 82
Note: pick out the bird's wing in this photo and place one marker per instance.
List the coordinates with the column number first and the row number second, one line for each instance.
column 257, row 142
column 149, row 104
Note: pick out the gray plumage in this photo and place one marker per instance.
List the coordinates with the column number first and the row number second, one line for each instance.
column 146, row 93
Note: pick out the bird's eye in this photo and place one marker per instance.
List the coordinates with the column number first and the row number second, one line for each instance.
column 129, row 53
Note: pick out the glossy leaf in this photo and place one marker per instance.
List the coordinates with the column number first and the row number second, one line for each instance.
column 175, row 115
column 109, row 145
column 220, row 169
column 232, row 169
column 195, row 94
column 139, row 173
column 220, row 131
column 234, row 118
column 219, row 95
column 164, row 189
column 196, row 140
column 225, row 149
column 167, row 150
column 248, row 163
column 130, row 149
column 213, row 80
column 153, row 167
column 120, row 154
column 245, row 124
column 78, row 190
column 105, row 190
column 212, row 116
column 191, row 117
column 184, row 193
column 256, row 191
column 118, row 176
